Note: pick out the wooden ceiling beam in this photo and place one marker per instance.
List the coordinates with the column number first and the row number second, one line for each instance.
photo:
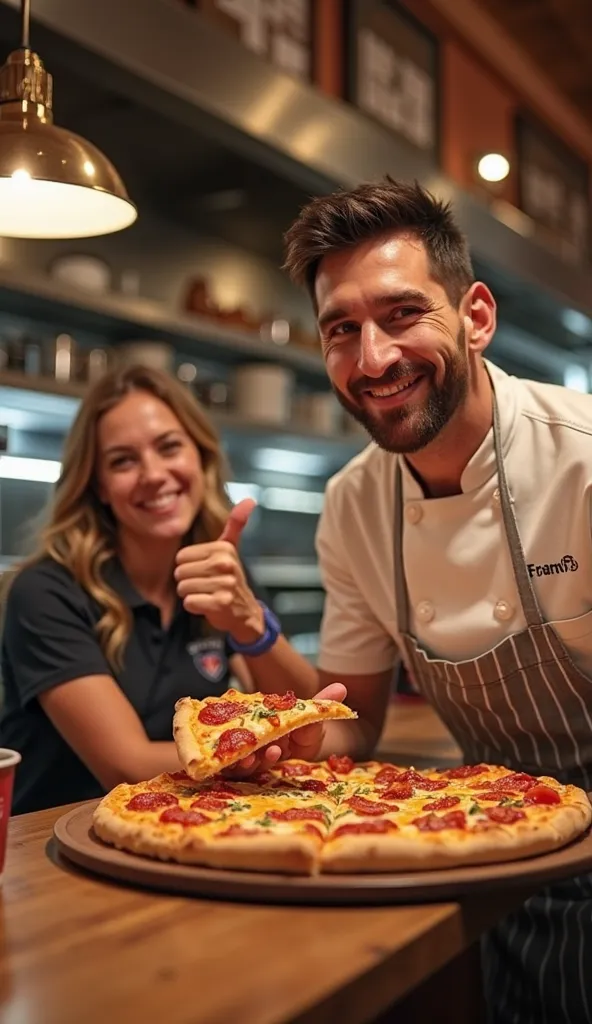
column 498, row 49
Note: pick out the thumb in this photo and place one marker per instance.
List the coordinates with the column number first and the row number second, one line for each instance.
column 237, row 520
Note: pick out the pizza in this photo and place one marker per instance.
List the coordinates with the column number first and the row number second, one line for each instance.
column 338, row 817
column 216, row 732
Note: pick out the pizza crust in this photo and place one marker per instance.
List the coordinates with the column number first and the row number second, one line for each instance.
column 394, row 852
column 296, row 854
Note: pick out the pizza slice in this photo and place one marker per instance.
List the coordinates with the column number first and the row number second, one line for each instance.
column 217, row 732
column 219, row 824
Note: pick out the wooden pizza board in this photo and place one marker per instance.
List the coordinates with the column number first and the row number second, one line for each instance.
column 77, row 842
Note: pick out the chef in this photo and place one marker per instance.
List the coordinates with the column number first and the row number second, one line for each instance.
column 460, row 539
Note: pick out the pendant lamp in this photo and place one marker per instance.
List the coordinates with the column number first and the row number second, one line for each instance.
column 53, row 183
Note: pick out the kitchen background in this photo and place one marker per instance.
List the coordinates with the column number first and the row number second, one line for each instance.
column 246, row 109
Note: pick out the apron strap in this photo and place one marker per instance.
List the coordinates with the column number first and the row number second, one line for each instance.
column 530, row 606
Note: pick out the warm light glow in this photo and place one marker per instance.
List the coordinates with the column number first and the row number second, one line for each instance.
column 89, row 168
column 21, row 177
column 493, row 167
column 51, row 209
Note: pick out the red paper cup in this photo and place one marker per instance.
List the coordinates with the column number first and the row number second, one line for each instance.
column 8, row 762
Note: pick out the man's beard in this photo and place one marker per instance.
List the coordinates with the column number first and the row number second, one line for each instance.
column 411, row 427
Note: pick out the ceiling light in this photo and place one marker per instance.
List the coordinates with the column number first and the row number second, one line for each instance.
column 493, row 167
column 283, row 460
column 577, row 323
column 576, row 378
column 53, row 184
column 45, row 471
column 288, row 499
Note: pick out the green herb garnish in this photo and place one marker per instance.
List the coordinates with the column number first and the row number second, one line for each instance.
column 325, row 810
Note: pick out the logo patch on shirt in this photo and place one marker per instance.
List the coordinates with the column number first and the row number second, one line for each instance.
column 565, row 564
column 209, row 658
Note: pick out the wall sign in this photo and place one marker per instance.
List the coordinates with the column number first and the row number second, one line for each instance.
column 278, row 30
column 392, row 63
column 554, row 187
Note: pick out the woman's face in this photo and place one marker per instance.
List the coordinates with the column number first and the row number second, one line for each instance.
column 149, row 470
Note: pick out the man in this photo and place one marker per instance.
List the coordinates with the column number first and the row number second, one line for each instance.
column 461, row 538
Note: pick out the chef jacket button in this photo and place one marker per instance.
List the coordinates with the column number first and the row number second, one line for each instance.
column 496, row 497
column 425, row 611
column 413, row 513
column 503, row 611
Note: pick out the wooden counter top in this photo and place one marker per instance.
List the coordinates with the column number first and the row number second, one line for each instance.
column 79, row 950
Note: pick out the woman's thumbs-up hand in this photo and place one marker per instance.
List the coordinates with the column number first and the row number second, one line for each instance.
column 211, row 581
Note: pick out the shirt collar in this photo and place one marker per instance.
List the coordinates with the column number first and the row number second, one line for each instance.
column 481, row 467
column 116, row 577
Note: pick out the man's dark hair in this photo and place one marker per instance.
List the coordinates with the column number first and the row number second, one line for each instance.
column 345, row 219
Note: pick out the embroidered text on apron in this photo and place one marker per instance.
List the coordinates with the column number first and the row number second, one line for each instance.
column 526, row 705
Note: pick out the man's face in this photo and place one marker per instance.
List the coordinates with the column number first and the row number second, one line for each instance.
column 393, row 344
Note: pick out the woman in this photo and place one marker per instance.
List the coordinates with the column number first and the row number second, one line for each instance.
column 135, row 597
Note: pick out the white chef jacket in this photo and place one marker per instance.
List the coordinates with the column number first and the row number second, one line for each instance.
column 463, row 598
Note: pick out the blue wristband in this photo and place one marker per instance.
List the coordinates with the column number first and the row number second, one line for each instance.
column 264, row 643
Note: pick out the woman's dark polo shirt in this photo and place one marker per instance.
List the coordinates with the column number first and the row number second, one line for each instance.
column 48, row 638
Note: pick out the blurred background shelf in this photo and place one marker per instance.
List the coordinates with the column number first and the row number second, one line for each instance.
column 121, row 318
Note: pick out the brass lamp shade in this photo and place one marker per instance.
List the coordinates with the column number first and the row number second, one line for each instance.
column 53, row 183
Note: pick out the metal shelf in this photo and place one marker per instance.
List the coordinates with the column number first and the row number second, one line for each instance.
column 123, row 318
column 26, row 391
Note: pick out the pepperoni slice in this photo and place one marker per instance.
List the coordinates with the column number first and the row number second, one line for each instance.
column 542, row 794
column 180, row 777
column 211, row 802
column 298, row 814
column 342, row 765
column 293, row 769
column 504, row 815
column 517, row 782
column 240, row 830
column 439, row 822
column 177, row 816
column 312, row 830
column 432, row 784
column 221, row 786
column 151, row 801
column 387, row 775
column 421, row 781
column 234, row 740
column 367, row 807
column 280, row 701
column 313, row 785
column 221, row 712
column 442, row 804
column 360, row 828
column 398, row 791
column 465, row 771
column 265, row 779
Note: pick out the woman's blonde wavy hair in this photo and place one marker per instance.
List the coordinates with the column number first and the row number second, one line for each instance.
column 80, row 531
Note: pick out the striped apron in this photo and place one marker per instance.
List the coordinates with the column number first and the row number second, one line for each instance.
column 525, row 705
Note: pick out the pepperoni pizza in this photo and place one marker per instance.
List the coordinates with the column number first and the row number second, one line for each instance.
column 217, row 732
column 338, row 817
